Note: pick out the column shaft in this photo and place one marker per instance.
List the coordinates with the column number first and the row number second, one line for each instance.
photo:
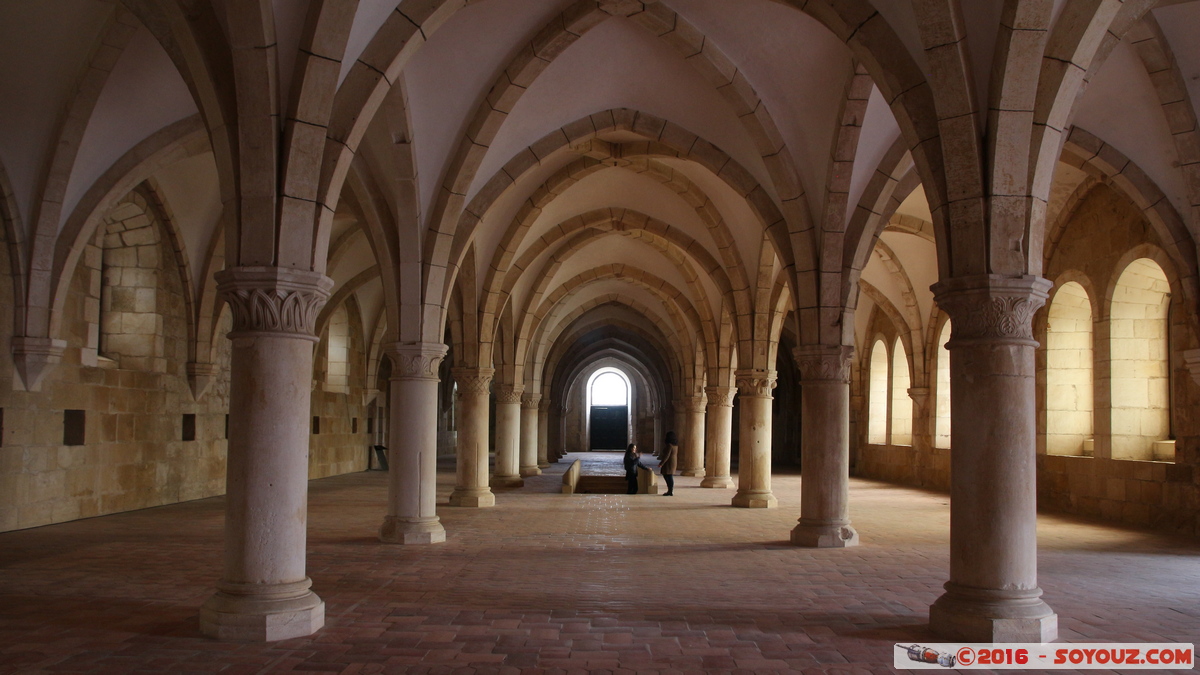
column 412, row 458
column 824, row 448
column 508, row 438
column 650, row 444
column 993, row 595
column 754, row 440
column 679, row 424
column 471, row 488
column 718, row 438
column 543, row 440
column 691, row 453
column 529, row 435
column 560, row 425
column 264, row 591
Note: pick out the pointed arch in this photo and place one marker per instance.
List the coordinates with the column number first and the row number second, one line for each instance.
column 1069, row 372
column 660, row 139
column 1138, row 306
column 877, row 394
column 901, row 418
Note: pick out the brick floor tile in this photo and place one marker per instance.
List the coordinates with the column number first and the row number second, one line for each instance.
column 556, row 584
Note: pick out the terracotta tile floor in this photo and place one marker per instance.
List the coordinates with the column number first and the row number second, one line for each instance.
column 546, row 583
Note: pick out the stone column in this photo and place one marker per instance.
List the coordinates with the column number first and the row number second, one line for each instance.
column 651, row 444
column 993, row 594
column 529, row 435
column 508, row 437
column 412, row 455
column 560, row 423
column 718, row 437
column 691, row 452
column 471, row 486
column 679, row 424
column 754, row 440
column 824, row 447
column 922, row 430
column 922, row 435
column 543, row 437
column 264, row 591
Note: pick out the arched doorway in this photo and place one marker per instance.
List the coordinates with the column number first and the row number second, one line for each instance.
column 608, row 393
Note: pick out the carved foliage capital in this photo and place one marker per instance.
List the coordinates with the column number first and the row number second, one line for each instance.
column 415, row 360
column 508, row 393
column 824, row 363
column 992, row 307
column 473, row 380
column 695, row 404
column 755, row 382
column 531, row 401
column 722, row 396
column 274, row 300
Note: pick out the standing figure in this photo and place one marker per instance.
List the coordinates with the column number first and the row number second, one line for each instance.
column 633, row 461
column 666, row 463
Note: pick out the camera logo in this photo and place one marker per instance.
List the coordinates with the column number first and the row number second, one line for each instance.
column 926, row 655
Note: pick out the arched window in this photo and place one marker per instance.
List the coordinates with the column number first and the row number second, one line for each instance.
column 609, row 388
column 877, row 395
column 901, row 403
column 1069, row 371
column 1138, row 352
column 337, row 354
column 608, row 420
column 941, row 431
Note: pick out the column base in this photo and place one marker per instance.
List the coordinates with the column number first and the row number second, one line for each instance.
column 988, row 615
column 527, row 471
column 824, row 534
column 544, row 465
column 692, row 472
column 506, row 482
column 755, row 500
column 473, row 497
column 717, row 482
column 262, row 613
column 396, row 530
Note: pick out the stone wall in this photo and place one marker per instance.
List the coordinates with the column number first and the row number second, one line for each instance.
column 1103, row 235
column 919, row 462
column 342, row 445
column 1155, row 494
column 339, row 397
column 133, row 455
column 125, row 368
column 905, row 464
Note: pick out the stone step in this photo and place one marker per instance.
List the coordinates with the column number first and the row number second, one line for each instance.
column 602, row 485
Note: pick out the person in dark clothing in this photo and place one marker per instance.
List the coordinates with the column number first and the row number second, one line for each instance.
column 633, row 460
column 666, row 463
